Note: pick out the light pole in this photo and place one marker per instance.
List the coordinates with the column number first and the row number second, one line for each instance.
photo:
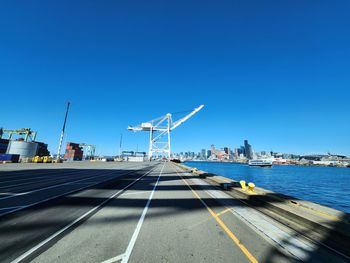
column 120, row 145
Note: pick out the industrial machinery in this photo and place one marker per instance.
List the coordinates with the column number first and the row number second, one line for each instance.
column 24, row 145
column 28, row 133
column 42, row 159
column 159, row 129
column 89, row 150
column 58, row 160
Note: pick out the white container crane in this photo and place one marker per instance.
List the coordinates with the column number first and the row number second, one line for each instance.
column 159, row 129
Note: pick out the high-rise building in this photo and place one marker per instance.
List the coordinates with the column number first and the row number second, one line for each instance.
column 203, row 154
column 241, row 150
column 226, row 150
column 208, row 153
column 236, row 154
column 248, row 150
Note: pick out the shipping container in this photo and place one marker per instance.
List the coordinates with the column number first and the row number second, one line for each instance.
column 3, row 145
column 73, row 152
column 42, row 149
column 9, row 157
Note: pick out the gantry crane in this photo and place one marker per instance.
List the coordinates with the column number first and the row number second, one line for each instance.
column 29, row 134
column 89, row 150
column 159, row 129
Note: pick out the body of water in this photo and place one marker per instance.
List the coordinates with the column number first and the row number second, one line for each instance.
column 329, row 186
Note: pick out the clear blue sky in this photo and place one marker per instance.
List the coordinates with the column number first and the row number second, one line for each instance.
column 274, row 72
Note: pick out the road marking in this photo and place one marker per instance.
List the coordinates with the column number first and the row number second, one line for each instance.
column 94, row 175
column 223, row 211
column 37, row 180
column 245, row 251
column 57, row 185
column 11, row 207
column 56, row 196
column 139, row 224
column 38, row 246
column 275, row 235
column 141, row 192
column 7, row 193
column 115, row 259
column 298, row 250
column 79, row 183
column 41, row 177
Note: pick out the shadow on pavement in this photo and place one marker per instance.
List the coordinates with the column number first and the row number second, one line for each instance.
column 20, row 231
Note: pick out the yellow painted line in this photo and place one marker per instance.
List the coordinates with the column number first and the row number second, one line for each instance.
column 223, row 212
column 223, row 226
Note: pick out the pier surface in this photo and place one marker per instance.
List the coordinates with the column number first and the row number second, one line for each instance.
column 137, row 212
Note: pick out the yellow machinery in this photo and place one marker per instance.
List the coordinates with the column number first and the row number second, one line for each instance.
column 37, row 159
column 47, row 159
column 43, row 159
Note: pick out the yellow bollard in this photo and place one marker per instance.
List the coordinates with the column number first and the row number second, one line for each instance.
column 194, row 170
column 251, row 187
column 243, row 184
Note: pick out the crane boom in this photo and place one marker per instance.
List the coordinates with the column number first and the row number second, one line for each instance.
column 179, row 122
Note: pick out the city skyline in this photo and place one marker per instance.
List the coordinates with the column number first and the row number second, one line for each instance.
column 268, row 151
column 242, row 150
column 282, row 85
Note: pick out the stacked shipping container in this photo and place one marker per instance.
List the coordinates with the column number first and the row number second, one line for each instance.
column 42, row 149
column 3, row 145
column 73, row 152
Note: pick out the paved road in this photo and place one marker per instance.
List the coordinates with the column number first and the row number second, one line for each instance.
column 156, row 213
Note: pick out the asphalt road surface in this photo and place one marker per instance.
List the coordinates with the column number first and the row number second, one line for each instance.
column 136, row 212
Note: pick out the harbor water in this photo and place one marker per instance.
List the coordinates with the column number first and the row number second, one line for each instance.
column 329, row 186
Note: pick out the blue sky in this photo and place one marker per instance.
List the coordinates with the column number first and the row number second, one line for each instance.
column 273, row 72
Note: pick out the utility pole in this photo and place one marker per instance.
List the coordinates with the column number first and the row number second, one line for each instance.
column 62, row 133
column 120, row 145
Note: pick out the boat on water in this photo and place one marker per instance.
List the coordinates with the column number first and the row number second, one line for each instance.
column 260, row 162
